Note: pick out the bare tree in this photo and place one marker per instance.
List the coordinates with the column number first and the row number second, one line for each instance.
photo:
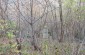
column 61, row 21
column 18, row 27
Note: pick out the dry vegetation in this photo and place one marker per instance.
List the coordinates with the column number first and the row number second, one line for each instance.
column 42, row 27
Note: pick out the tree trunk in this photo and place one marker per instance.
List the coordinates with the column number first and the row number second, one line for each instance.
column 61, row 21
column 33, row 42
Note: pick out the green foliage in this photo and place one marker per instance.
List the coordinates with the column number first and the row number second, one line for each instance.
column 82, row 51
column 45, row 47
column 10, row 34
column 82, row 0
column 69, row 3
column 11, row 28
column 63, row 49
column 4, row 49
column 7, row 28
column 11, row 24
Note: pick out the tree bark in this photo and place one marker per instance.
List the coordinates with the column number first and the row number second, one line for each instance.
column 61, row 21
column 32, row 28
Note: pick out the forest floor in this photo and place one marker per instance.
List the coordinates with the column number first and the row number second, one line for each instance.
column 47, row 48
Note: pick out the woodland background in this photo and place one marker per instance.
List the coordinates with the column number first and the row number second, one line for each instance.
column 42, row 27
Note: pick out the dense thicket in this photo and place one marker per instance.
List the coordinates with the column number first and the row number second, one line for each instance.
column 42, row 27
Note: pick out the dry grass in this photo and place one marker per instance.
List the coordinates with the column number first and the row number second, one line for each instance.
column 47, row 48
